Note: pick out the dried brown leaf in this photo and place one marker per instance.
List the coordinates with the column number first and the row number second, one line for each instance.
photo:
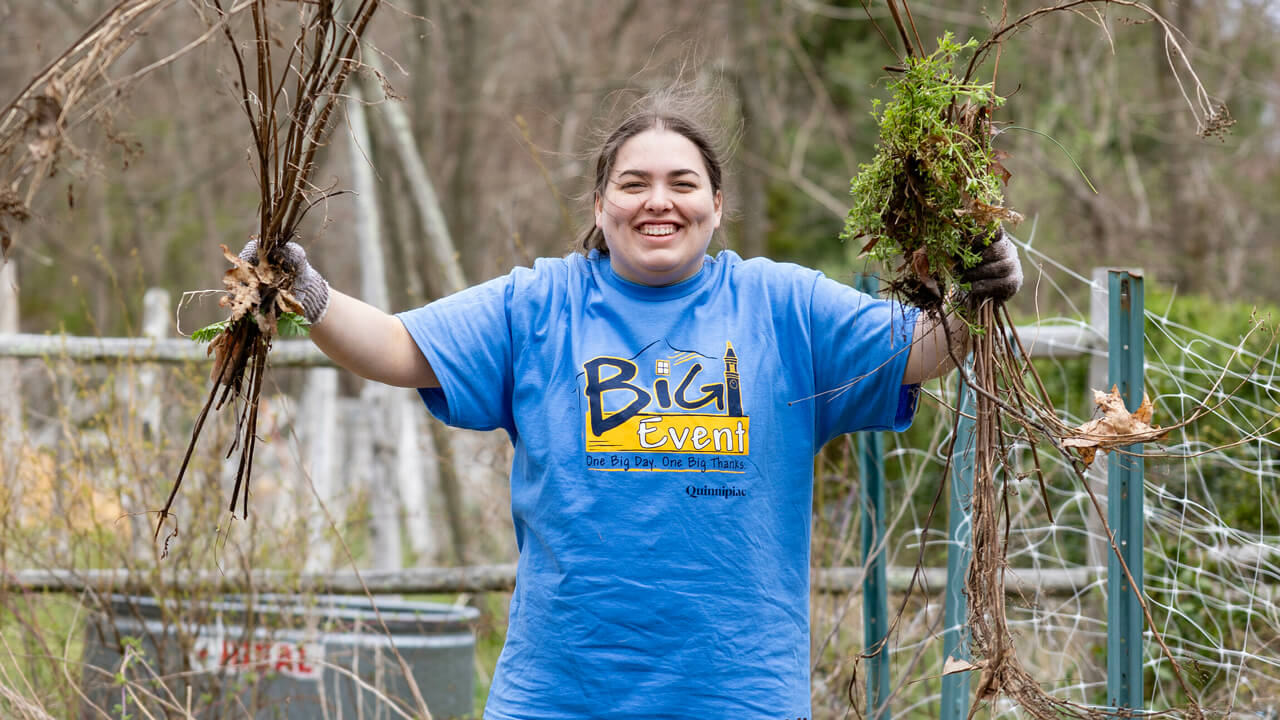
column 955, row 665
column 1145, row 411
column 242, row 285
column 997, row 166
column 44, row 127
column 1116, row 428
column 1087, row 454
column 920, row 265
column 985, row 214
column 219, row 349
column 288, row 303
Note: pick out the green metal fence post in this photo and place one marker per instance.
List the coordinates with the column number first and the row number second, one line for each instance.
column 875, row 589
column 955, row 636
column 1124, row 497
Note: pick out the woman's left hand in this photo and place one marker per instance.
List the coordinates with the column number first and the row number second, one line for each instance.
column 998, row 275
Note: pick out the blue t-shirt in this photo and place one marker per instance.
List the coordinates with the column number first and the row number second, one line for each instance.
column 661, row 488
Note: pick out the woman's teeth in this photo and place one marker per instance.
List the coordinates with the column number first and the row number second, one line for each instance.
column 657, row 229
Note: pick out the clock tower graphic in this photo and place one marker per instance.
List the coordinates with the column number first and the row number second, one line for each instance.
column 732, row 386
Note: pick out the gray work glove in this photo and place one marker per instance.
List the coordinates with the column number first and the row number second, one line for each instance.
column 309, row 288
column 998, row 275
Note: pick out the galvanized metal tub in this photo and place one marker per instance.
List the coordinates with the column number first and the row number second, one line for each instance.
column 278, row 656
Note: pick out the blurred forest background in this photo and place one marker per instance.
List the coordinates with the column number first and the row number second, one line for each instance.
column 505, row 102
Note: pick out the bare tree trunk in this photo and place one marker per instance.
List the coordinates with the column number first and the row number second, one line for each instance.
column 1185, row 211
column 379, row 404
column 439, row 241
column 450, row 460
column 464, row 66
column 427, row 112
column 401, row 228
column 452, row 278
column 752, row 226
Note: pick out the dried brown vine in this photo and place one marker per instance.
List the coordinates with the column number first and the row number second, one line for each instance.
column 65, row 93
column 1012, row 404
column 74, row 89
column 290, row 114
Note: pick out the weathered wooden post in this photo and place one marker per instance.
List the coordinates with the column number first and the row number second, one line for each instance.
column 10, row 388
column 155, row 326
column 1098, row 550
column 10, row 395
column 418, row 477
column 149, row 408
column 317, row 429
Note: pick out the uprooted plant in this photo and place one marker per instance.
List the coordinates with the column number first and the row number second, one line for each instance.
column 932, row 197
column 927, row 205
column 290, row 114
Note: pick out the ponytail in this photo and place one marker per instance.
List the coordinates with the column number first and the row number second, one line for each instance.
column 591, row 239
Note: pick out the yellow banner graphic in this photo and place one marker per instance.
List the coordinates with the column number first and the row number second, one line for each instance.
column 675, row 433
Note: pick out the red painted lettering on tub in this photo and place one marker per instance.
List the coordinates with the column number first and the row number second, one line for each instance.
column 284, row 658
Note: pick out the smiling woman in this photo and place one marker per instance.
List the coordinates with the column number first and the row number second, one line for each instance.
column 616, row 371
column 658, row 208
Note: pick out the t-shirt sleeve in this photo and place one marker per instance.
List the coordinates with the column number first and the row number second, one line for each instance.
column 466, row 337
column 860, row 350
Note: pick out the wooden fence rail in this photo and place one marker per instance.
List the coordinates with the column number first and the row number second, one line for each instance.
column 1059, row 340
column 31, row 346
column 1020, row 583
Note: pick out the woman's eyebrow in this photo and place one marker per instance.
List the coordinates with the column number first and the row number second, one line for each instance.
column 646, row 175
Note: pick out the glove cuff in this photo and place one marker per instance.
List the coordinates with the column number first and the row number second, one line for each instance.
column 312, row 292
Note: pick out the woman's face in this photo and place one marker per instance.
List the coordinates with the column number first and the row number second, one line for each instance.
column 658, row 210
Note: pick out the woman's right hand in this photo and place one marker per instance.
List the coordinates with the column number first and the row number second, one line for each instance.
column 309, row 287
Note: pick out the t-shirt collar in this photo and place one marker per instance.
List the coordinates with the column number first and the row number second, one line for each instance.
column 649, row 292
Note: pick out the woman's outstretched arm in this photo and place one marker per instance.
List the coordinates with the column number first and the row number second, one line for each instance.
column 929, row 356
column 371, row 343
column 354, row 334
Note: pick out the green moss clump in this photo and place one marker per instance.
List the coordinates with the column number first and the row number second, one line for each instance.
column 931, row 198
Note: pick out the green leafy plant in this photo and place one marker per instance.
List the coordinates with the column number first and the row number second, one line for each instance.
column 932, row 196
column 209, row 332
column 288, row 324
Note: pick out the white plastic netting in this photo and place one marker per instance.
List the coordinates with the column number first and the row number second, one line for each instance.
column 1212, row 527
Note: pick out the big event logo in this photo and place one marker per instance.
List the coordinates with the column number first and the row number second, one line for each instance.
column 656, row 412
